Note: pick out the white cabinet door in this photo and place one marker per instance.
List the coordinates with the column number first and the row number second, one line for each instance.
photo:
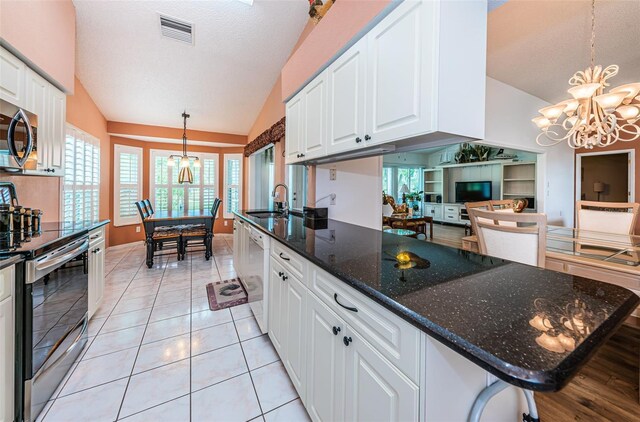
column 56, row 116
column 38, row 103
column 315, row 118
column 399, row 77
column 295, row 339
column 347, row 77
column 7, row 345
column 12, row 79
column 326, row 351
column 96, row 277
column 277, row 310
column 294, row 128
column 375, row 389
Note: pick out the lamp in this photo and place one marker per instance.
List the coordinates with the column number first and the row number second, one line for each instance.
column 598, row 187
column 185, row 174
column 404, row 190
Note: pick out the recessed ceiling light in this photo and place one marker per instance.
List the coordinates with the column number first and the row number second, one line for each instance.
column 249, row 2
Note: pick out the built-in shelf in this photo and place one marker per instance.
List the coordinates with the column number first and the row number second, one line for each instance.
column 519, row 180
column 519, row 194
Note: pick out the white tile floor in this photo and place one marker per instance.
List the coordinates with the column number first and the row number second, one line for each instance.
column 157, row 353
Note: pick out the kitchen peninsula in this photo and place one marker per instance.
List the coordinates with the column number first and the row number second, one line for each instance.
column 373, row 311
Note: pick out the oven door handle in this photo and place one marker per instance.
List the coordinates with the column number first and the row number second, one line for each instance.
column 84, row 323
column 62, row 258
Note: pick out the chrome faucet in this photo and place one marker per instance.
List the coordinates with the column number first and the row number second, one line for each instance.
column 281, row 206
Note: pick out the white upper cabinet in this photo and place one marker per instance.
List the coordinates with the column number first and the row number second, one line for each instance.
column 347, row 77
column 417, row 76
column 38, row 102
column 12, row 79
column 294, row 129
column 315, row 118
column 56, row 117
column 400, row 53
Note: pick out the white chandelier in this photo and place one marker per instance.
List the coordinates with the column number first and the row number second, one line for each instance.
column 592, row 118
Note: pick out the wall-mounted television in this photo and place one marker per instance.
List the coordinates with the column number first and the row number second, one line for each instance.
column 473, row 191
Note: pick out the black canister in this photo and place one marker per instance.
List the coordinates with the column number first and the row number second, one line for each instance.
column 6, row 218
column 36, row 216
column 18, row 219
column 27, row 220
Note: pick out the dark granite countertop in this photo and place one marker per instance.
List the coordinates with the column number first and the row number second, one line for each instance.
column 478, row 306
column 51, row 235
column 7, row 261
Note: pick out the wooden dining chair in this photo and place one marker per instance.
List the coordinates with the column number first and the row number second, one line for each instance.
column 481, row 205
column 607, row 217
column 524, row 240
column 158, row 237
column 198, row 233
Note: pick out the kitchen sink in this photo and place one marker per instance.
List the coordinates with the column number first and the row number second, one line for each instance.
column 265, row 214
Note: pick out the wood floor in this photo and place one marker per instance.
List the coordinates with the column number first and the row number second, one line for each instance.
column 606, row 389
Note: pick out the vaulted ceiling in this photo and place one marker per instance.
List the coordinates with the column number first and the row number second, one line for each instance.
column 537, row 46
column 136, row 75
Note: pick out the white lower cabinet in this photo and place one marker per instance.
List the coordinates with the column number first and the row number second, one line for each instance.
column 338, row 374
column 375, row 389
column 327, row 357
column 287, row 310
column 96, row 269
column 7, row 344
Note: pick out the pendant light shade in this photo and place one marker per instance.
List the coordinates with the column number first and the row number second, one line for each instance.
column 185, row 175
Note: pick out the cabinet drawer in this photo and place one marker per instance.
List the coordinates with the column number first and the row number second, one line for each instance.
column 289, row 260
column 451, row 217
column 96, row 236
column 6, row 282
column 450, row 209
column 394, row 338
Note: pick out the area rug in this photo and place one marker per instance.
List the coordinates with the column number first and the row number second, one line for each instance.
column 225, row 294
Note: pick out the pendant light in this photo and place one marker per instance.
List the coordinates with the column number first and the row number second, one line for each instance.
column 592, row 118
column 185, row 174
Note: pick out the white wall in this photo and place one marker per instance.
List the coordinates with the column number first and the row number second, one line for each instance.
column 358, row 189
column 509, row 112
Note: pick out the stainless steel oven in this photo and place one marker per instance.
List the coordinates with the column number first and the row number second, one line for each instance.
column 55, row 320
column 18, row 137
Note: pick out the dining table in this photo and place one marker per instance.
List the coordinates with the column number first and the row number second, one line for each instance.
column 409, row 221
column 178, row 219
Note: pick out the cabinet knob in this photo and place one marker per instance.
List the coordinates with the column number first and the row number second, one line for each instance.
column 301, row 155
column 358, row 140
column 346, row 340
column 297, row 155
column 280, row 273
column 336, row 330
column 284, row 278
column 98, row 250
column 367, row 137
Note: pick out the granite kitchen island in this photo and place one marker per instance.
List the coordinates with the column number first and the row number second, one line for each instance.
column 487, row 312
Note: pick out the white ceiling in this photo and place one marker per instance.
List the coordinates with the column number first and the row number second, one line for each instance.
column 537, row 46
column 135, row 75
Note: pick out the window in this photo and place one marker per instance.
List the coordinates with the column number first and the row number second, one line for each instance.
column 394, row 178
column 232, row 184
column 81, row 186
column 127, row 184
column 168, row 195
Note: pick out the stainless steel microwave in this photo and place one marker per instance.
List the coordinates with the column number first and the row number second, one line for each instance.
column 18, row 136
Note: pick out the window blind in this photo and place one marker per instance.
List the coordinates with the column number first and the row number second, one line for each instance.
column 81, row 186
column 232, row 184
column 128, row 184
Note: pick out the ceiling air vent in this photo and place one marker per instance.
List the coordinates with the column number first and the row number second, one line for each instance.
column 176, row 29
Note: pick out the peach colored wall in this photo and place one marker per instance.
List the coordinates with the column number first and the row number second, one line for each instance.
column 126, row 234
column 40, row 192
column 83, row 113
column 131, row 129
column 44, row 32
column 343, row 21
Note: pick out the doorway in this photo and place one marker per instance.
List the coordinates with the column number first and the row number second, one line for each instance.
column 605, row 176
